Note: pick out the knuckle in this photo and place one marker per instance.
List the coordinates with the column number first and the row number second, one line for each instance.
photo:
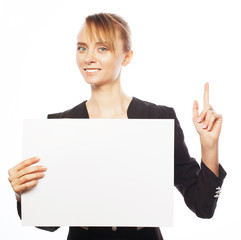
column 31, row 184
column 21, row 172
column 210, row 106
column 24, row 186
column 10, row 179
column 210, row 120
column 39, row 168
column 27, row 185
column 213, row 117
column 25, row 178
column 15, row 189
column 202, row 115
column 22, row 163
column 211, row 112
column 208, row 114
column 27, row 162
column 39, row 175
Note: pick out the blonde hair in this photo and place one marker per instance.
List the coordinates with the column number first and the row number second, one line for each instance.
column 104, row 26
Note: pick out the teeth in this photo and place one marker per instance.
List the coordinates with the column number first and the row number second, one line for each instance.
column 91, row 70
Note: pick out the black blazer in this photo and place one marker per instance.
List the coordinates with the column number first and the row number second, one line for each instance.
column 198, row 185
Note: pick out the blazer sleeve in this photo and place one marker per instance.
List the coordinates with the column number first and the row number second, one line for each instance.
column 199, row 186
column 51, row 229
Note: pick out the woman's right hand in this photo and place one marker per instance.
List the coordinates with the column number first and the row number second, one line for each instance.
column 24, row 176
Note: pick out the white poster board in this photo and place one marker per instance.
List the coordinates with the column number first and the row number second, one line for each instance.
column 100, row 172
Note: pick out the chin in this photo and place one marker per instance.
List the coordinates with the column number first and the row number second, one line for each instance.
column 97, row 83
column 94, row 83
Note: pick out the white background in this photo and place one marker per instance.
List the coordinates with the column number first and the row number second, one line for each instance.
column 178, row 46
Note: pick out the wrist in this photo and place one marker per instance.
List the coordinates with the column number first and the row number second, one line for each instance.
column 210, row 157
column 210, row 144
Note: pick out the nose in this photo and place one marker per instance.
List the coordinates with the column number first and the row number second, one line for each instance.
column 89, row 57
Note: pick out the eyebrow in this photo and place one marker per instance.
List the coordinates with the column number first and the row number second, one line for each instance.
column 97, row 43
column 81, row 43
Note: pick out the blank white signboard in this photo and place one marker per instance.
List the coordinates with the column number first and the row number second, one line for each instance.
column 100, row 172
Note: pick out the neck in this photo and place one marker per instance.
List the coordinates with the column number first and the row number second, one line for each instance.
column 108, row 101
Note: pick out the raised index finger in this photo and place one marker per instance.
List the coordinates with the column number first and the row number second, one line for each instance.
column 206, row 95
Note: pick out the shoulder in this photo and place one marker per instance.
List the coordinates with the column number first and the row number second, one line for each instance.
column 78, row 111
column 144, row 109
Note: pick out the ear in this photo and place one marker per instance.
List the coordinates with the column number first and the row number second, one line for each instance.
column 127, row 58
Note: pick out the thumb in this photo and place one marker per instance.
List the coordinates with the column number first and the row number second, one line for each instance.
column 195, row 111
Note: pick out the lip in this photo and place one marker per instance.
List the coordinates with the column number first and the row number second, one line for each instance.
column 91, row 71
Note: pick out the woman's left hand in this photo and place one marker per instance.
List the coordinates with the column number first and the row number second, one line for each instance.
column 208, row 123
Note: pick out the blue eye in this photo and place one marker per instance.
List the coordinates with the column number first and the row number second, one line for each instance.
column 103, row 49
column 82, row 49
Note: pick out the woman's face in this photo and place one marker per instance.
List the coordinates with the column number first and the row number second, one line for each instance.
column 97, row 63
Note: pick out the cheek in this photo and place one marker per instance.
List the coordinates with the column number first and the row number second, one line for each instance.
column 113, row 64
column 80, row 63
column 117, row 65
column 79, row 59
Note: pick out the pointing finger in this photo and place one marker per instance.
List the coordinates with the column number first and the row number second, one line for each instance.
column 206, row 95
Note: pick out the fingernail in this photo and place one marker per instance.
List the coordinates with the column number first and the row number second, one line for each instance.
column 199, row 119
column 204, row 125
column 36, row 158
column 43, row 166
column 209, row 128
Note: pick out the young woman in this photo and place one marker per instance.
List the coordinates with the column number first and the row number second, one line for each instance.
column 103, row 48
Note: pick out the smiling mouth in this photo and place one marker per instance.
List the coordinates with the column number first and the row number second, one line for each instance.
column 92, row 70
